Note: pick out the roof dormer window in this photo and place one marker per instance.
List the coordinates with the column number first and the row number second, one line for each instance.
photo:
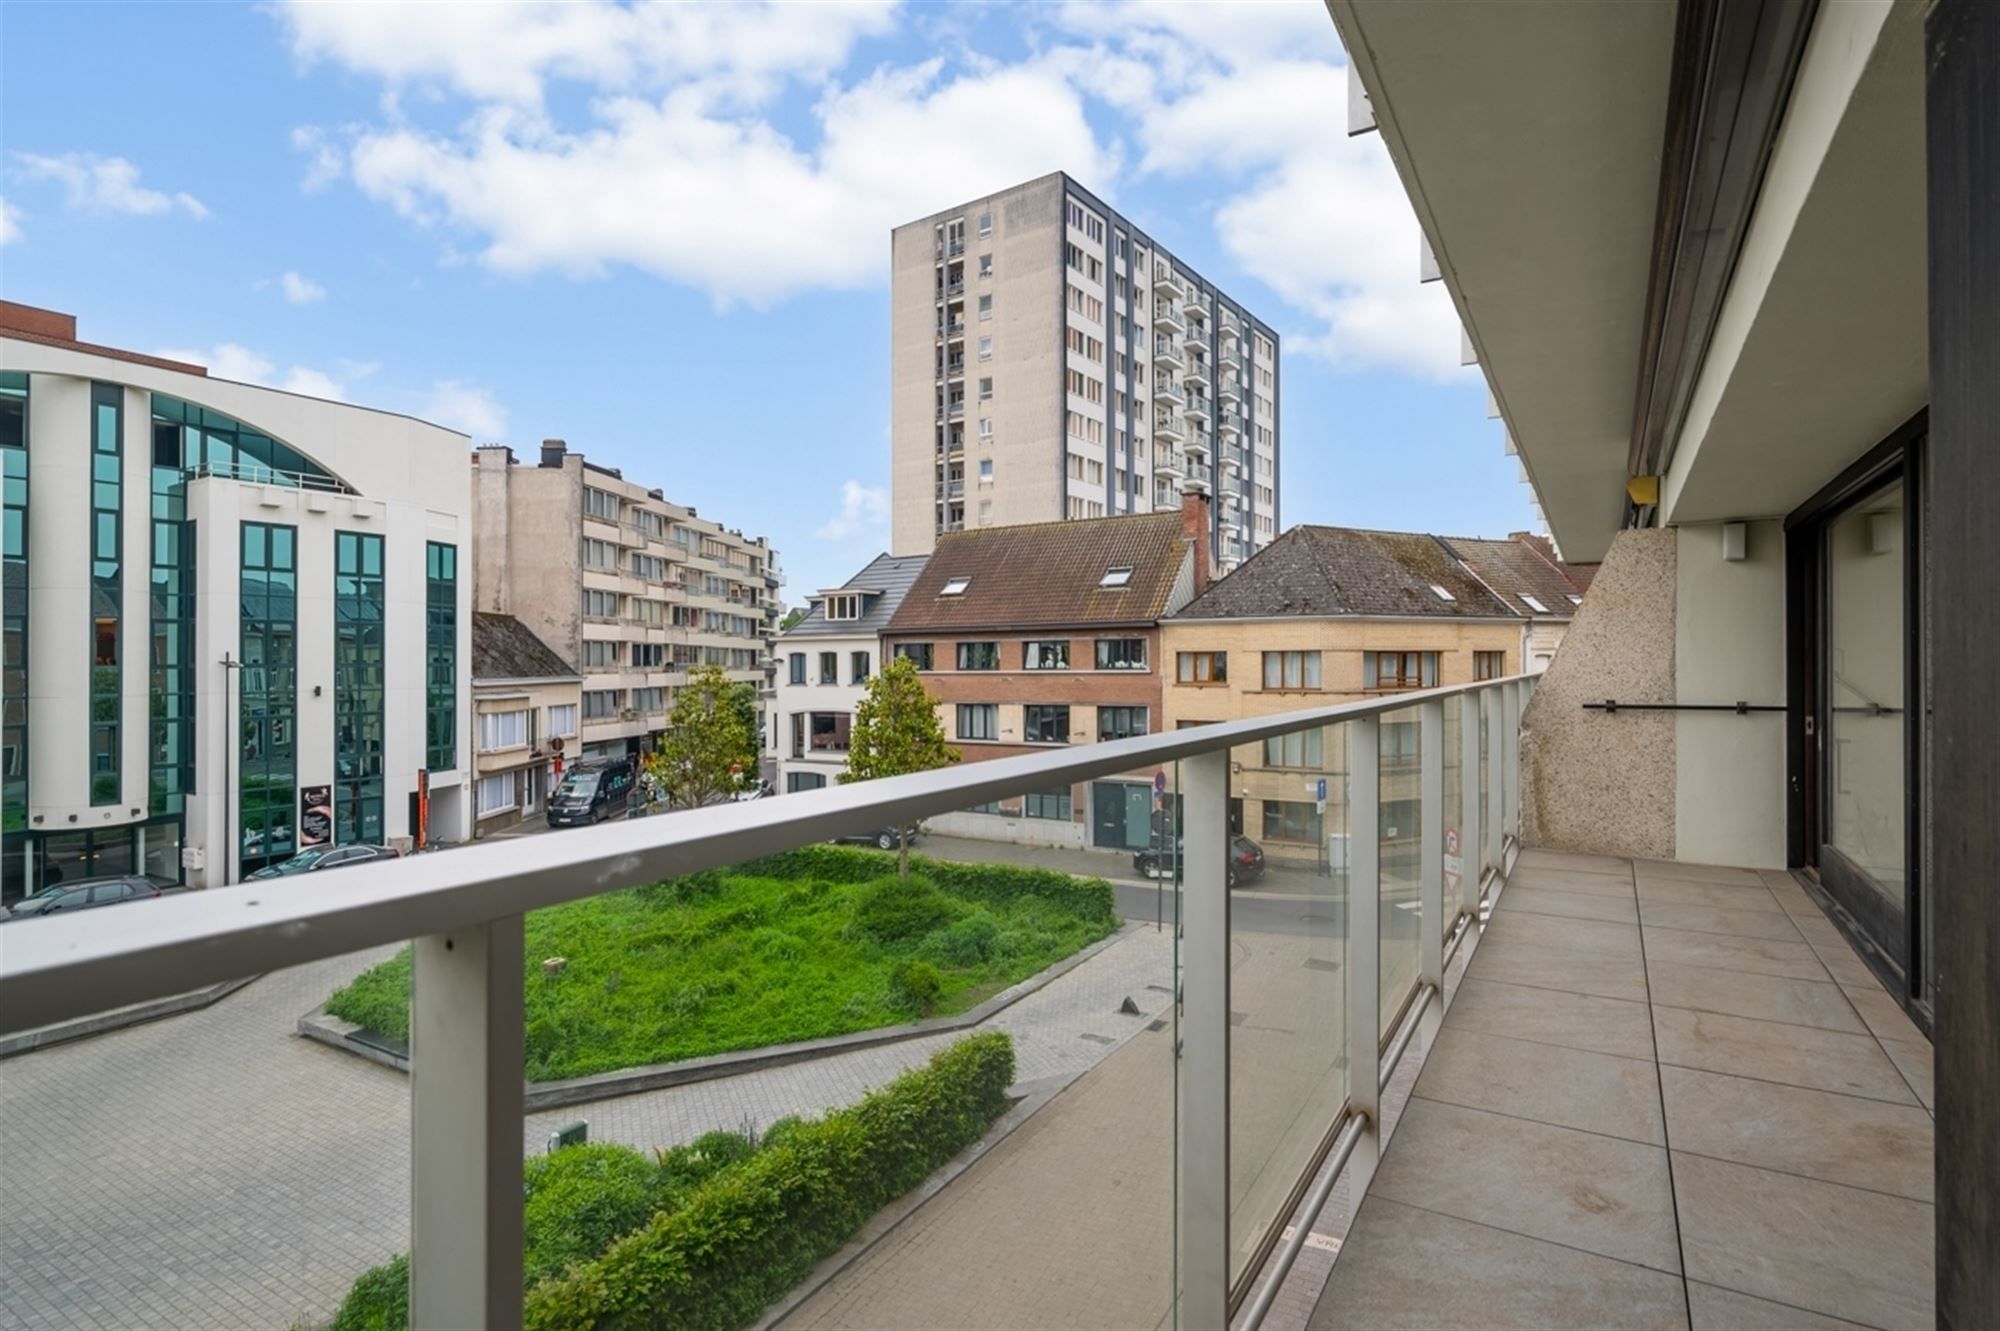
column 843, row 606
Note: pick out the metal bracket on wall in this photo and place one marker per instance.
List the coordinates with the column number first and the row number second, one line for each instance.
column 1740, row 708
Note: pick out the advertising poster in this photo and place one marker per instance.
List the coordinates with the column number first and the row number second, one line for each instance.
column 315, row 815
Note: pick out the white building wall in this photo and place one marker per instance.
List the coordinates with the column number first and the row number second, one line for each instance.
column 812, row 696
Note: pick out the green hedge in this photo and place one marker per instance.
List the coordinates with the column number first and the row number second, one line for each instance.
column 993, row 884
column 752, row 1232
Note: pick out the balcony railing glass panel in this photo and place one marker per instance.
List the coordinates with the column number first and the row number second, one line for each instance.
column 1401, row 911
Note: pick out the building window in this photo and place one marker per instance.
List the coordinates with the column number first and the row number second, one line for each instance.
column 602, row 704
column 844, row 606
column 829, row 731
column 985, row 390
column 1291, row 820
column 955, row 586
column 797, row 662
column 986, row 432
column 1201, row 667
column 986, row 265
column 357, row 687
column 1120, row 722
column 1121, row 653
column 986, row 348
column 649, row 568
column 978, row 720
column 172, row 685
column 1399, row 670
column 267, row 694
column 649, row 655
column 918, row 654
column 797, row 781
column 600, row 554
column 985, row 468
column 441, row 656
column 1045, row 723
column 504, row 730
column 107, row 588
column 1051, row 804
column 857, row 666
column 986, row 224
column 1291, row 670
column 1120, row 575
column 986, row 307
column 562, row 719
column 829, row 667
column 1488, row 665
column 599, row 605
column 601, row 655
column 650, row 701
column 1301, row 748
column 979, row 656
column 1045, row 654
column 1402, row 744
column 496, row 793
column 14, row 624
column 600, row 503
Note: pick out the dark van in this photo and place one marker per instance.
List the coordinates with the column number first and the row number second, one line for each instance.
column 592, row 791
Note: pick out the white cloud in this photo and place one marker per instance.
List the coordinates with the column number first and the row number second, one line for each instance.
column 231, row 360
column 300, row 290
column 465, row 406
column 328, row 163
column 10, row 223
column 96, row 184
column 863, row 509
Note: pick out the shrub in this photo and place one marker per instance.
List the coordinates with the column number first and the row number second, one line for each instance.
column 378, row 998
column 379, row 1300
column 752, row 1232
column 894, row 909
column 966, row 942
column 582, row 1197
column 916, row 985
column 688, row 1167
column 989, row 884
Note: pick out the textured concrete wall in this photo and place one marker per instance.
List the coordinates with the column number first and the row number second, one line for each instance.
column 1597, row 781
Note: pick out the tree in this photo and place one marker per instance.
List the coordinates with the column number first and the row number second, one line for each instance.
column 792, row 616
column 709, row 742
column 896, row 732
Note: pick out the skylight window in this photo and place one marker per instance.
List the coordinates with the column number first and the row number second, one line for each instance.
column 1576, row 600
column 1442, row 594
column 1116, row 577
column 955, row 586
column 1534, row 605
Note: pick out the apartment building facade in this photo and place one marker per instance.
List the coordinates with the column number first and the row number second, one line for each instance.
column 1049, row 360
column 633, row 589
column 237, row 619
column 527, row 713
column 1045, row 635
column 824, row 663
column 1334, row 614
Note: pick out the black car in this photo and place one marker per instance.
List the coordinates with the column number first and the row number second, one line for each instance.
column 1246, row 861
column 327, row 857
column 592, row 791
column 88, row 894
column 882, row 838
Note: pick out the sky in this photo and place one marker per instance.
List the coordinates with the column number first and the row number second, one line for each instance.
column 661, row 232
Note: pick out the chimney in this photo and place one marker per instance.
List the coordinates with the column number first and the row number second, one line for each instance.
column 37, row 322
column 553, row 451
column 1196, row 527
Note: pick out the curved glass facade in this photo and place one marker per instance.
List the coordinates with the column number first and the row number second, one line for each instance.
column 268, row 694
column 201, row 442
column 107, row 589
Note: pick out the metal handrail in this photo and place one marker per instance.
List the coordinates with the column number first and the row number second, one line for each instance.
column 70, row 966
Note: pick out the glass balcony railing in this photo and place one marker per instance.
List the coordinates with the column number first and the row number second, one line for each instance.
column 1161, row 974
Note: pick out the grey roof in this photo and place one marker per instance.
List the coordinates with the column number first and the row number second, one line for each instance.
column 505, row 648
column 1328, row 571
column 891, row 575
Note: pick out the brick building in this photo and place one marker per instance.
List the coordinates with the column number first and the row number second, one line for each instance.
column 1049, row 634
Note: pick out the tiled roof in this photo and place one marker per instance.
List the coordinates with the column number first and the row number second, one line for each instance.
column 1330, row 571
column 505, row 648
column 1048, row 573
column 891, row 575
column 1521, row 565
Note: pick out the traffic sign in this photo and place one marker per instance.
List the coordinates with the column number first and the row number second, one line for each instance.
column 1160, row 782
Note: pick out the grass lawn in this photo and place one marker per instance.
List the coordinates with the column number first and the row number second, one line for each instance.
column 822, row 941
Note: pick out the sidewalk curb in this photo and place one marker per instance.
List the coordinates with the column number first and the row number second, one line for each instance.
column 330, row 1030
column 44, row 1037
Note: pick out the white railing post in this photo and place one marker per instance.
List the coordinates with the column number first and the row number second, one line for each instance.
column 465, row 1128
column 1204, row 1035
column 1364, row 942
column 1468, row 801
column 1496, row 826
column 1430, row 824
column 1510, row 768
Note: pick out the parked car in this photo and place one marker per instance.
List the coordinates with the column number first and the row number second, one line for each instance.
column 88, row 894
column 1246, row 861
column 755, row 791
column 882, row 838
column 592, row 791
column 327, row 857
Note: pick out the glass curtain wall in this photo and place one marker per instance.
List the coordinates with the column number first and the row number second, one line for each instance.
column 171, row 735
column 357, row 688
column 107, row 587
column 13, row 636
column 441, row 657
column 268, row 694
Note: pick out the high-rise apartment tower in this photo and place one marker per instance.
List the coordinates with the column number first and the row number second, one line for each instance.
column 1051, row 360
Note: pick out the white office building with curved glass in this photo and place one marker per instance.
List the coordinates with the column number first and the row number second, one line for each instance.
column 237, row 620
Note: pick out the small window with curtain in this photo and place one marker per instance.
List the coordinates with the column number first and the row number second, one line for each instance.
column 918, row 654
column 1201, row 667
column 1291, row 670
column 1120, row 722
column 1399, row 670
column 1488, row 665
column 1045, row 654
column 858, row 667
column 978, row 720
column 1045, row 723
column 1051, row 804
column 979, row 656
column 1121, row 653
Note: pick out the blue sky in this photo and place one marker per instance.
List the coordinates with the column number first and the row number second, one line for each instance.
column 662, row 232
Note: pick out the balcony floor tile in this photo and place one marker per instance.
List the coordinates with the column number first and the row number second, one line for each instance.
column 1793, row 959
column 1773, row 925
column 1549, row 1016
column 1775, row 1051
column 1725, row 896
column 1743, row 994
column 1569, row 880
column 1572, row 1088
column 1713, row 1308
column 1592, row 937
column 1572, row 905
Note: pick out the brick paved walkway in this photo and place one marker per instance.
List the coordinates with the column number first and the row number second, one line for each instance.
column 215, row 1170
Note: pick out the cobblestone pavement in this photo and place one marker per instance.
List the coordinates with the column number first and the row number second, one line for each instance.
column 216, row 1170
